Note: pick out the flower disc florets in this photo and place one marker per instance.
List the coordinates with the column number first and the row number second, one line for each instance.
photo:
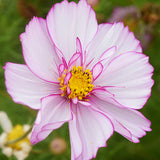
column 15, row 133
column 80, row 83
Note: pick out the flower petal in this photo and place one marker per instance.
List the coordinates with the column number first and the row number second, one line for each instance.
column 76, row 144
column 5, row 122
column 110, row 35
column 97, row 70
column 92, row 129
column 130, row 74
column 54, row 113
column 26, row 88
column 67, row 21
column 3, row 139
column 39, row 51
column 7, row 151
column 20, row 154
column 128, row 122
column 108, row 53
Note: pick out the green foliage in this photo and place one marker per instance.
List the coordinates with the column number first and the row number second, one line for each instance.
column 12, row 24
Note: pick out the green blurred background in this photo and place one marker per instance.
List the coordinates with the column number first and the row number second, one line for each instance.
column 15, row 14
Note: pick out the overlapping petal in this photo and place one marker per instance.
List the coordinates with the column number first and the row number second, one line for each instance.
column 55, row 111
column 129, row 74
column 26, row 88
column 109, row 35
column 67, row 21
column 39, row 51
column 92, row 128
column 128, row 122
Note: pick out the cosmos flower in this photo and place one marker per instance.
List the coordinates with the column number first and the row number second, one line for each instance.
column 95, row 77
column 19, row 149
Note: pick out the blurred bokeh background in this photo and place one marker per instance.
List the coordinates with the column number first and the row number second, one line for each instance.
column 142, row 17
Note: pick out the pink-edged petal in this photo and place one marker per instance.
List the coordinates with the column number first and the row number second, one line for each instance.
column 105, row 95
column 85, row 103
column 131, row 73
column 107, row 55
column 79, row 50
column 75, row 60
column 78, row 46
column 61, row 69
column 102, row 93
column 128, row 122
column 67, row 21
column 67, row 77
column 97, row 70
column 39, row 51
column 109, row 52
column 76, row 143
column 75, row 100
column 68, row 90
column 54, row 113
column 110, row 35
column 26, row 88
column 93, row 129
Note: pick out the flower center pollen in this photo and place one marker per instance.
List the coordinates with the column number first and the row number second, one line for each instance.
column 15, row 133
column 79, row 83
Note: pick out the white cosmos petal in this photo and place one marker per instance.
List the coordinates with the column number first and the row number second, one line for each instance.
column 130, row 74
column 3, row 139
column 67, row 21
column 92, row 128
column 39, row 51
column 26, row 88
column 5, row 122
column 97, row 70
column 128, row 122
column 110, row 35
column 20, row 154
column 7, row 151
column 76, row 144
column 54, row 113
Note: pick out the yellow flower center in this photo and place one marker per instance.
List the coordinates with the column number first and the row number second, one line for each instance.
column 79, row 83
column 15, row 133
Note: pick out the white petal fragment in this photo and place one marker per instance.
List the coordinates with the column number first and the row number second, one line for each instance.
column 130, row 73
column 26, row 88
column 67, row 21
column 110, row 35
column 54, row 113
column 97, row 70
column 128, row 122
column 93, row 129
column 39, row 51
column 5, row 122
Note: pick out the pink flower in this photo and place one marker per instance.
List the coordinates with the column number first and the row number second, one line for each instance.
column 92, row 76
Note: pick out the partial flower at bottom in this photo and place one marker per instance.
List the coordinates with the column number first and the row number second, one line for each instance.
column 21, row 148
column 95, row 77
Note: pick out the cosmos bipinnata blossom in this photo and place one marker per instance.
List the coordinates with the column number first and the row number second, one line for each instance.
column 19, row 149
column 95, row 77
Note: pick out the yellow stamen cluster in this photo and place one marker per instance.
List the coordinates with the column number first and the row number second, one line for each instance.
column 15, row 133
column 79, row 83
column 63, row 87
